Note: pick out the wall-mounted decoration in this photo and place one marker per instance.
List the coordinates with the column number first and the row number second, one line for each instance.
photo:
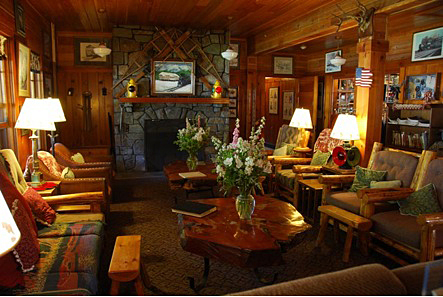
column 232, row 102
column 20, row 25
column 235, row 63
column 23, row 70
column 35, row 62
column 329, row 67
column 47, row 84
column 46, row 46
column 232, row 112
column 233, row 92
column 427, row 45
column 131, row 89
column 363, row 77
column 173, row 77
column 84, row 52
column 288, row 105
column 422, row 87
column 217, row 90
column 283, row 65
column 273, row 100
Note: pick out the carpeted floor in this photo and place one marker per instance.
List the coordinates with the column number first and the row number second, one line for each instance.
column 143, row 206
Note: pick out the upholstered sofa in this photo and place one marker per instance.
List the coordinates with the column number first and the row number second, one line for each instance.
column 371, row 279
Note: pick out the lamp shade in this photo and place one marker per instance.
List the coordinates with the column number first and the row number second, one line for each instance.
column 301, row 119
column 338, row 60
column 9, row 233
column 55, row 110
column 346, row 128
column 35, row 115
column 101, row 50
column 229, row 54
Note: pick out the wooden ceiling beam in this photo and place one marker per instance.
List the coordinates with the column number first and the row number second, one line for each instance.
column 320, row 23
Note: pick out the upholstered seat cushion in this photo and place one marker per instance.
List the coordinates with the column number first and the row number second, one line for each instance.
column 350, row 202
column 399, row 166
column 72, row 229
column 286, row 178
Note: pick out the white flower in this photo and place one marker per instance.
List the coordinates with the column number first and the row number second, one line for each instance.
column 248, row 170
column 220, row 171
column 249, row 162
column 228, row 161
column 267, row 168
column 238, row 162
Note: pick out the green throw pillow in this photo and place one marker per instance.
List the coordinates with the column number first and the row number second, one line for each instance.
column 420, row 202
column 364, row 176
column 320, row 158
column 289, row 148
column 385, row 184
column 68, row 173
column 78, row 158
column 280, row 151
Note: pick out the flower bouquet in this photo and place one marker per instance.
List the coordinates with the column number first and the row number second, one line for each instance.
column 240, row 164
column 192, row 139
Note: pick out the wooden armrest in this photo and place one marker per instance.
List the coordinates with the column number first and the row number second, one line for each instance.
column 79, row 185
column 267, row 152
column 430, row 219
column 92, row 172
column 290, row 161
column 306, row 169
column 79, row 198
column 336, row 179
column 383, row 195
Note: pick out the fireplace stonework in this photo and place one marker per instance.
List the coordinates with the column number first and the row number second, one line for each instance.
column 129, row 119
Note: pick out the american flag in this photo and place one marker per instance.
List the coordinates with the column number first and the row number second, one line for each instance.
column 363, row 77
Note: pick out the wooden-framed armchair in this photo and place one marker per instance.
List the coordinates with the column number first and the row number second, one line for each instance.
column 63, row 156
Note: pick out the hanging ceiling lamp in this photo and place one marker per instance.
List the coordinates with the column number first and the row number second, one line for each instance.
column 338, row 60
column 101, row 50
column 229, row 54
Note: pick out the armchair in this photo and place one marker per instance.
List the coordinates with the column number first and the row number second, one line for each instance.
column 63, row 156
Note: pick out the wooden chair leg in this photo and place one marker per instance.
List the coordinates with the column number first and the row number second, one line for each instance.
column 139, row 286
column 348, row 244
column 114, row 288
column 363, row 237
column 336, row 231
column 323, row 226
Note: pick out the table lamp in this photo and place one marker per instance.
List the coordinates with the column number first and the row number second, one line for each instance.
column 9, row 232
column 58, row 116
column 301, row 119
column 34, row 115
column 346, row 129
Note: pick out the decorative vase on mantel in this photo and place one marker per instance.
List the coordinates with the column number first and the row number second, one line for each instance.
column 192, row 161
column 245, row 204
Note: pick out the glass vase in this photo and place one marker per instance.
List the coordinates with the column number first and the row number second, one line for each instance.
column 191, row 162
column 245, row 204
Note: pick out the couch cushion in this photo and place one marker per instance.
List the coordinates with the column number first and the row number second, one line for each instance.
column 286, row 178
column 320, row 158
column 398, row 165
column 39, row 207
column 434, row 175
column 10, row 273
column 281, row 151
column 325, row 143
column 422, row 201
column 350, row 202
column 287, row 134
column 364, row 176
column 72, row 229
column 79, row 217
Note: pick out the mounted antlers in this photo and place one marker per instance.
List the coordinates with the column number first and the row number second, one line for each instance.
column 363, row 18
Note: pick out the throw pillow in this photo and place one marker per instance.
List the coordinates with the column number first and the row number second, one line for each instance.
column 78, row 158
column 10, row 275
column 320, row 158
column 68, row 173
column 289, row 148
column 27, row 251
column 385, row 184
column 49, row 161
column 364, row 176
column 43, row 213
column 420, row 202
column 280, row 151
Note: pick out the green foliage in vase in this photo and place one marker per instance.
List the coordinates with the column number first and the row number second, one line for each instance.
column 192, row 138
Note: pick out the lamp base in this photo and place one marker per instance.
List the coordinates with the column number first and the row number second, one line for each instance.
column 35, row 179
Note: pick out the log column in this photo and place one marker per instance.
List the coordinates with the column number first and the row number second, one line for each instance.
column 369, row 101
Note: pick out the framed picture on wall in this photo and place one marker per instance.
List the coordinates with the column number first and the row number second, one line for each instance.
column 273, row 100
column 173, row 77
column 24, row 56
column 427, row 45
column 233, row 92
column 47, row 84
column 232, row 102
column 84, row 52
column 422, row 87
column 329, row 67
column 288, row 105
column 20, row 25
column 232, row 112
column 235, row 63
column 283, row 65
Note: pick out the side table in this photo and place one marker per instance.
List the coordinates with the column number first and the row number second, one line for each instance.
column 50, row 192
column 310, row 196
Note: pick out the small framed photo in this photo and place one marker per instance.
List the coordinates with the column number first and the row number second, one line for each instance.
column 273, row 100
column 232, row 112
column 427, row 45
column 20, row 25
column 235, row 63
column 233, row 92
column 329, row 67
column 84, row 52
column 233, row 102
column 283, row 65
column 47, row 84
column 422, row 87
column 24, row 65
column 173, row 77
column 288, row 105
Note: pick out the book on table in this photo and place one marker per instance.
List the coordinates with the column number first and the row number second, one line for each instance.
column 194, row 209
column 192, row 174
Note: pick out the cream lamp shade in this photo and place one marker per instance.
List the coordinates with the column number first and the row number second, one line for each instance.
column 101, row 50
column 35, row 115
column 301, row 119
column 55, row 110
column 9, row 233
column 346, row 128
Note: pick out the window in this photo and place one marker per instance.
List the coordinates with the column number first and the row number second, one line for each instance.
column 6, row 103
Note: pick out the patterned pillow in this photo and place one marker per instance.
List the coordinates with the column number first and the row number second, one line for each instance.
column 364, row 176
column 420, row 202
column 50, row 163
column 280, row 151
column 41, row 210
column 320, row 158
column 78, row 158
column 289, row 148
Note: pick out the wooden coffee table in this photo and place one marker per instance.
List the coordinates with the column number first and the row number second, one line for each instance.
column 190, row 185
column 275, row 227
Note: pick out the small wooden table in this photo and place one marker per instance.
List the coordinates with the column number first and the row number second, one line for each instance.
column 275, row 227
column 190, row 185
column 50, row 192
column 310, row 191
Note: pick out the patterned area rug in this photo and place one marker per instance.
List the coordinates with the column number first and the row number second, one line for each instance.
column 143, row 206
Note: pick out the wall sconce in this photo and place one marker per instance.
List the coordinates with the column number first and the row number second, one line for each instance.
column 70, row 91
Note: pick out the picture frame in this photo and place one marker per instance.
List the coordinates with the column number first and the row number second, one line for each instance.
column 235, row 63
column 417, row 86
column 233, row 102
column 24, row 56
column 84, row 52
column 427, row 45
column 173, row 77
column 232, row 92
column 47, row 48
column 329, row 68
column 47, row 84
column 232, row 112
column 273, row 100
column 35, row 64
column 288, row 104
column 282, row 65
column 20, row 24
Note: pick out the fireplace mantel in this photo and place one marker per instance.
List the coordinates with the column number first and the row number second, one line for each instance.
column 189, row 100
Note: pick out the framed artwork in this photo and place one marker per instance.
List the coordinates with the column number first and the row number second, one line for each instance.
column 329, row 67
column 427, row 45
column 47, row 84
column 35, row 62
column 273, row 100
column 233, row 92
column 288, row 105
column 233, row 102
column 173, row 77
column 84, row 52
column 235, row 63
column 283, row 65
column 20, row 25
column 24, row 56
column 421, row 87
column 232, row 112
column 46, row 46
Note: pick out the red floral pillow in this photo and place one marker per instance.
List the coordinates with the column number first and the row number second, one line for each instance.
column 28, row 250
column 43, row 213
column 10, row 275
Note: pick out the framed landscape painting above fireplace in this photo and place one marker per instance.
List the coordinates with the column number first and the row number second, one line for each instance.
column 173, row 77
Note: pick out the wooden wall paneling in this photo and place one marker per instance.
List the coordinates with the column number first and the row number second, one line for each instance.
column 328, row 101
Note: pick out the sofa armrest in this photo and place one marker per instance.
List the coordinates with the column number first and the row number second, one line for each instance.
column 431, row 219
column 336, row 179
column 79, row 198
column 383, row 195
column 93, row 164
column 92, row 172
column 290, row 161
column 306, row 169
column 79, row 185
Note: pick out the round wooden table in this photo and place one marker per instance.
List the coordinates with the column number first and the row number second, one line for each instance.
column 275, row 227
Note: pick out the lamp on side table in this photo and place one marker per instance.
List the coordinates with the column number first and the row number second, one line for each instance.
column 301, row 119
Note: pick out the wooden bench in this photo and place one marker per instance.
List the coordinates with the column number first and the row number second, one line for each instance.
column 351, row 220
column 125, row 263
